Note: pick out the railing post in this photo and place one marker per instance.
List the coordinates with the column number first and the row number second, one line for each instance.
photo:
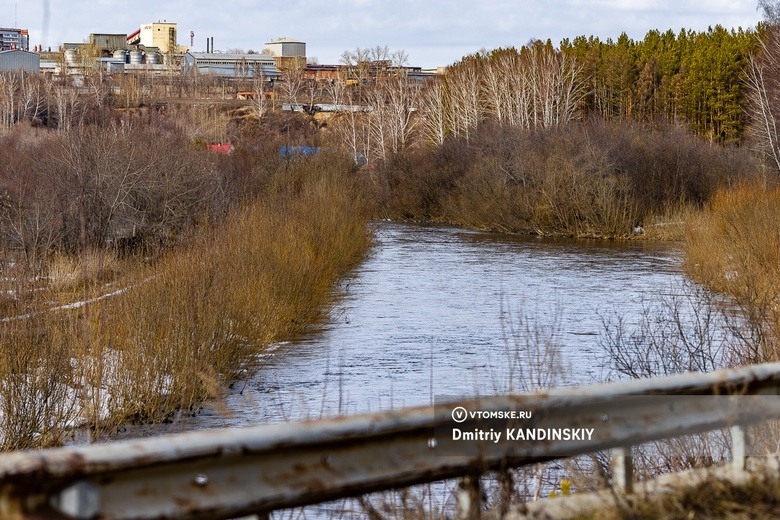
column 469, row 498
column 739, row 447
column 80, row 500
column 623, row 469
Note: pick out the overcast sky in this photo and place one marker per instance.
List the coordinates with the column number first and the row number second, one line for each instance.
column 432, row 32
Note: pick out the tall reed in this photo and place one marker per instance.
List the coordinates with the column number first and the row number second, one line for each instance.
column 734, row 248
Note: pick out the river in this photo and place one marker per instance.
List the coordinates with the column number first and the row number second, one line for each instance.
column 439, row 311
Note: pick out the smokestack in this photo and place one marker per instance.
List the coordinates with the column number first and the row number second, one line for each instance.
column 207, row 45
column 212, row 44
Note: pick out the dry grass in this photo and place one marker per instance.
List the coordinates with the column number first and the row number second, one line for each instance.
column 670, row 224
column 755, row 499
column 68, row 272
column 733, row 248
column 188, row 325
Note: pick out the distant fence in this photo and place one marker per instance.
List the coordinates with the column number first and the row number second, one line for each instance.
column 235, row 472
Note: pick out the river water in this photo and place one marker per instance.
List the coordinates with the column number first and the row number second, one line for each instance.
column 439, row 311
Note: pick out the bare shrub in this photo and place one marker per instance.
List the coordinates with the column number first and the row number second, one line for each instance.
column 681, row 332
column 690, row 330
column 415, row 186
column 192, row 324
column 38, row 402
column 591, row 179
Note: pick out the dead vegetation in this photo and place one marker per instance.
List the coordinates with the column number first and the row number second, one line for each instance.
column 143, row 273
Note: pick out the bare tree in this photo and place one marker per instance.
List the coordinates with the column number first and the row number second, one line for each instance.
column 401, row 100
column 536, row 87
column 763, row 82
column 494, row 84
column 67, row 107
column 29, row 222
column 433, row 104
column 352, row 125
column 554, row 83
column 466, row 107
column 771, row 11
column 259, row 102
column 293, row 81
column 335, row 89
column 95, row 83
column 9, row 83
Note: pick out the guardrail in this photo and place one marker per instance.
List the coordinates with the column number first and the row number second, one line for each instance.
column 255, row 470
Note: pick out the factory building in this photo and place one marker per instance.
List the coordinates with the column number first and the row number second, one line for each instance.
column 287, row 52
column 161, row 35
column 232, row 65
column 12, row 39
column 16, row 60
column 286, row 48
column 108, row 43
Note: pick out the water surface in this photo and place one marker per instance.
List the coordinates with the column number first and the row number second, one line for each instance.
column 444, row 311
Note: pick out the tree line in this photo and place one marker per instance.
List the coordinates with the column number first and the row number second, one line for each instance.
column 691, row 78
column 695, row 79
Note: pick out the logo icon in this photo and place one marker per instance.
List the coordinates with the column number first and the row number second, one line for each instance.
column 459, row 414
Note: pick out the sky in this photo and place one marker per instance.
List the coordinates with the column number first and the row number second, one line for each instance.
column 431, row 32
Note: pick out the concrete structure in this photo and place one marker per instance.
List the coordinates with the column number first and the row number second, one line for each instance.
column 232, row 65
column 12, row 39
column 49, row 67
column 20, row 60
column 161, row 35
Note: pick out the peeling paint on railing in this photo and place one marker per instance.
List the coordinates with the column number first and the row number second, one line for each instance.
column 233, row 472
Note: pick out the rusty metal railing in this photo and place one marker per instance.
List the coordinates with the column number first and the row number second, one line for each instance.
column 255, row 470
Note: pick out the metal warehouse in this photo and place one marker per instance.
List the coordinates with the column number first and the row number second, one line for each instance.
column 20, row 60
column 235, row 65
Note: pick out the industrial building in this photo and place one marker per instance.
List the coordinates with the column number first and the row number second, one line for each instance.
column 161, row 35
column 231, row 65
column 108, row 43
column 16, row 60
column 286, row 48
column 287, row 52
column 13, row 39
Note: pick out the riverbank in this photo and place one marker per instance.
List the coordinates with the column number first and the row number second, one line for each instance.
column 193, row 322
column 733, row 249
column 591, row 179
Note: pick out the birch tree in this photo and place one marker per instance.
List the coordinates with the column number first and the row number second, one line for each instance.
column 463, row 85
column 67, row 106
column 9, row 83
column 433, row 106
column 259, row 102
column 401, row 103
column 763, row 82
column 293, row 81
